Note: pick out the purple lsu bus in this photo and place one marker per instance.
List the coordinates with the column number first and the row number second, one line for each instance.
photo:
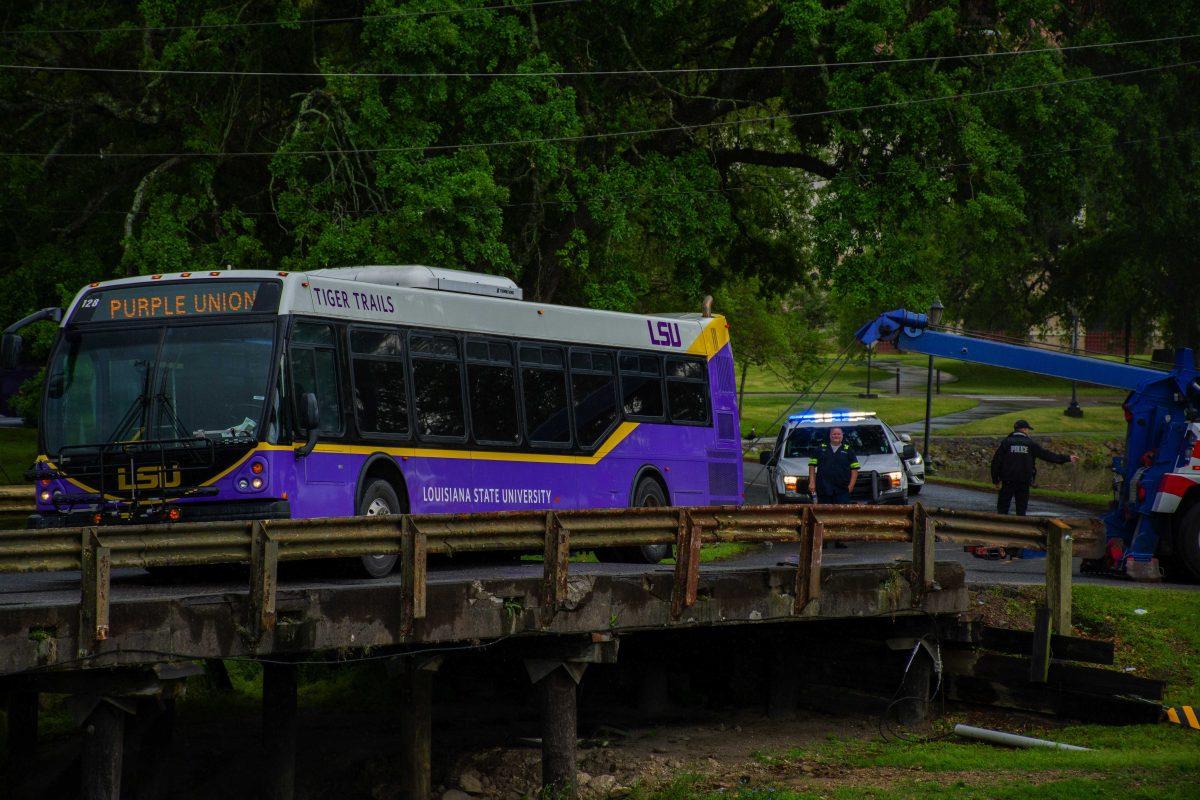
column 374, row 390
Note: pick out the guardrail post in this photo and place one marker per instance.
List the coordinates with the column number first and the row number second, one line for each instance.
column 1058, row 575
column 808, row 566
column 923, row 538
column 556, row 556
column 413, row 558
column 687, row 564
column 264, row 573
column 96, row 562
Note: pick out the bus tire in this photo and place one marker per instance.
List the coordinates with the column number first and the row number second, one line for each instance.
column 1187, row 548
column 648, row 493
column 379, row 499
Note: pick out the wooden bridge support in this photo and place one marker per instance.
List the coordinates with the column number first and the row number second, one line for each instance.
column 557, row 696
column 279, row 731
column 416, row 727
column 22, row 742
column 916, row 689
column 103, row 752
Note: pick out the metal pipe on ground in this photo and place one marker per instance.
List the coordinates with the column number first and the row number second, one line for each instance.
column 1011, row 739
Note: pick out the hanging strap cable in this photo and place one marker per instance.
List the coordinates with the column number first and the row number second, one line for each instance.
column 843, row 357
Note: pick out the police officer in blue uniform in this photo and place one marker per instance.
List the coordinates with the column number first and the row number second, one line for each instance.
column 832, row 471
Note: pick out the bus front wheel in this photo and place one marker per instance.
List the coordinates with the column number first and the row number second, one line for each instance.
column 379, row 499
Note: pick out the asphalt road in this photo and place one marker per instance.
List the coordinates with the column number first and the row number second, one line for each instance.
column 129, row 584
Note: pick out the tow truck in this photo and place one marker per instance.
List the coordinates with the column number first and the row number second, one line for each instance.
column 1154, row 518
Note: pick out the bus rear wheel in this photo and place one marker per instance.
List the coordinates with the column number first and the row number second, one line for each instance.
column 649, row 493
column 379, row 499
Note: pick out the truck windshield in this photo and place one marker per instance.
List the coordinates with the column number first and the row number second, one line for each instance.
column 864, row 440
column 150, row 384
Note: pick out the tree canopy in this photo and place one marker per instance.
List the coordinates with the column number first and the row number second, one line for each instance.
column 1014, row 157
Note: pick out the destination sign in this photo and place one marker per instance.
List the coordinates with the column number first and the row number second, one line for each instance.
column 178, row 300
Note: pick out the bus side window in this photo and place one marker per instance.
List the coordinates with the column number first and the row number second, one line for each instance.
column 492, row 392
column 544, row 390
column 642, row 387
column 594, row 395
column 437, row 386
column 687, row 390
column 380, row 382
column 314, row 369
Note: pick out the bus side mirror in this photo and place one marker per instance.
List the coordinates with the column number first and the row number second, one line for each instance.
column 764, row 457
column 908, row 451
column 310, row 421
column 10, row 350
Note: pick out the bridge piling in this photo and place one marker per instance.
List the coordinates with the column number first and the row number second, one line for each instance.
column 416, row 728
column 279, row 730
column 558, row 689
column 22, row 741
column 103, row 752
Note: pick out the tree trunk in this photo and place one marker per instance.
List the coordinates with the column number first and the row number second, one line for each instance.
column 742, row 382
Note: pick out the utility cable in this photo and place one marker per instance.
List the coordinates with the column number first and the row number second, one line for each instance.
column 434, row 148
column 601, row 73
column 842, row 356
column 290, row 22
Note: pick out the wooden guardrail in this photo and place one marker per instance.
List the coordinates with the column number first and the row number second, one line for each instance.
column 96, row 551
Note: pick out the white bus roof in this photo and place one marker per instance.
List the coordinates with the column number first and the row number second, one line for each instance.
column 460, row 301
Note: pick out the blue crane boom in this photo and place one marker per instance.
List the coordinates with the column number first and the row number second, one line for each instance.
column 909, row 331
column 1156, row 510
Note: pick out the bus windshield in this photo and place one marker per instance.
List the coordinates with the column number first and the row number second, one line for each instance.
column 165, row 383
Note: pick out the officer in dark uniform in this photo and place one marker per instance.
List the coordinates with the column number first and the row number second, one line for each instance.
column 1014, row 466
column 832, row 471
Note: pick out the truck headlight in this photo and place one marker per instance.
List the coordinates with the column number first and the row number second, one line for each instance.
column 892, row 480
column 790, row 482
column 916, row 459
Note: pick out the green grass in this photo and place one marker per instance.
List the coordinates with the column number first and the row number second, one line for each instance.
column 1091, row 501
column 970, row 379
column 18, row 449
column 758, row 411
column 1106, row 420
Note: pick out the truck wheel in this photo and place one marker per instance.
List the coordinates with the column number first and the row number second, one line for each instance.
column 1188, row 541
column 379, row 499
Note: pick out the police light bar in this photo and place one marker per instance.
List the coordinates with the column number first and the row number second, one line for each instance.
column 833, row 416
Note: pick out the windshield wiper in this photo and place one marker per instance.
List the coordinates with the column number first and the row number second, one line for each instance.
column 140, row 403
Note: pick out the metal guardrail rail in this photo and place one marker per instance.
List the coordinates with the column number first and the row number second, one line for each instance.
column 16, row 500
column 96, row 551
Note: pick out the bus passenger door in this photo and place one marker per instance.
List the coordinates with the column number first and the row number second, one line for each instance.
column 324, row 479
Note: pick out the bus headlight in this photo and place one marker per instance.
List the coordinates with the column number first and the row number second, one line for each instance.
column 892, row 480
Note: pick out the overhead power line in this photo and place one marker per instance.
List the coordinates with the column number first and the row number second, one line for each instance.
column 434, row 148
column 603, row 73
column 288, row 22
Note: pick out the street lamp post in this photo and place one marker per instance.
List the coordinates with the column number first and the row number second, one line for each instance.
column 869, row 394
column 1073, row 410
column 935, row 318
